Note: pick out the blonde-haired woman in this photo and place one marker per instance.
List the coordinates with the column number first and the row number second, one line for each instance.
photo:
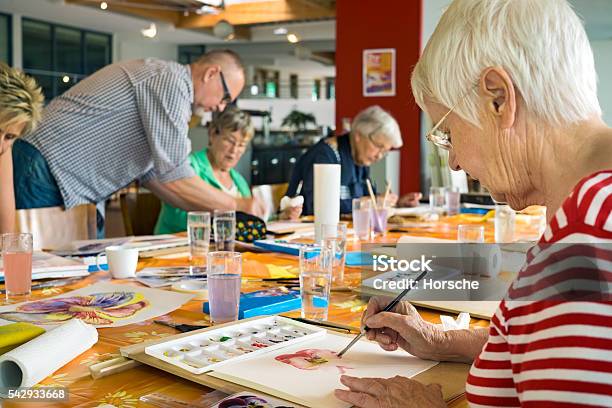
column 21, row 102
column 229, row 133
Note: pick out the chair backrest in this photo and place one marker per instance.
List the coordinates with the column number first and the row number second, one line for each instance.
column 56, row 227
column 271, row 195
column 139, row 211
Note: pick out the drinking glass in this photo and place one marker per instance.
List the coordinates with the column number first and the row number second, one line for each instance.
column 198, row 227
column 225, row 230
column 334, row 239
column 437, row 199
column 379, row 216
column 504, row 223
column 470, row 233
column 452, row 201
column 315, row 281
column 361, row 217
column 17, row 264
column 224, row 279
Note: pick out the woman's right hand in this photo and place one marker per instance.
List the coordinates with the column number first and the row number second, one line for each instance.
column 291, row 213
column 403, row 328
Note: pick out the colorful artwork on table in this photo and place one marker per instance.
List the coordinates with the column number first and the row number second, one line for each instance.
column 379, row 72
column 308, row 373
column 314, row 359
column 101, row 305
column 96, row 309
column 249, row 400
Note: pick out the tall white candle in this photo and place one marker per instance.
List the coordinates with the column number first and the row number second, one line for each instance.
column 326, row 196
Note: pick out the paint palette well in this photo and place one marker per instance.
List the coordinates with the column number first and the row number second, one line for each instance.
column 203, row 352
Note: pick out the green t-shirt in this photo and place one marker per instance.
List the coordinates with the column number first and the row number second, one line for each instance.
column 173, row 219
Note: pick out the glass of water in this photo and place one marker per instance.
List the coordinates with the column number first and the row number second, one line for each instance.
column 198, row 228
column 452, row 201
column 224, row 280
column 470, row 233
column 437, row 199
column 334, row 239
column 315, row 281
column 361, row 217
column 225, row 230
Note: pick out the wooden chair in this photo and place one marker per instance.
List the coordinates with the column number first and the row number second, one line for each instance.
column 139, row 211
column 56, row 227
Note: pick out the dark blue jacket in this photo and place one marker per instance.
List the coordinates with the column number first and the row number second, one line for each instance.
column 351, row 175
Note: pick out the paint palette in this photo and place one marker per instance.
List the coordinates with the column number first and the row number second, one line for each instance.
column 205, row 351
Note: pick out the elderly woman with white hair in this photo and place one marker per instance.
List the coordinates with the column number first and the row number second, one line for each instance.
column 374, row 132
column 21, row 101
column 511, row 88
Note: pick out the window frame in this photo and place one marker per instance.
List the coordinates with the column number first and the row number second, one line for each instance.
column 9, row 19
column 53, row 40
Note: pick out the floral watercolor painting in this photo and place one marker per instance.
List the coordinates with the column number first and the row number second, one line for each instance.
column 314, row 359
column 96, row 309
column 101, row 304
column 246, row 400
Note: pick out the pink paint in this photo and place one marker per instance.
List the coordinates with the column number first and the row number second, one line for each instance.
column 313, row 359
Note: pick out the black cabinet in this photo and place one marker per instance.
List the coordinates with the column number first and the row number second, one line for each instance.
column 274, row 164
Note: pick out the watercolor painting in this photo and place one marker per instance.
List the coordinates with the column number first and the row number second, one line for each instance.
column 307, row 373
column 314, row 359
column 248, row 400
column 101, row 305
column 96, row 309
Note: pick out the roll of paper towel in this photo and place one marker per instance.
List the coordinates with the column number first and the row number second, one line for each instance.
column 35, row 360
column 326, row 196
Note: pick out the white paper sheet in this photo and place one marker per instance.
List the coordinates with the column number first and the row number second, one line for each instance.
column 315, row 387
column 101, row 304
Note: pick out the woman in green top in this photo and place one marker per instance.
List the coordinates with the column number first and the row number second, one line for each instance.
column 229, row 134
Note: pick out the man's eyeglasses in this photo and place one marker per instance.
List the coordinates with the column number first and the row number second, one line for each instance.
column 227, row 97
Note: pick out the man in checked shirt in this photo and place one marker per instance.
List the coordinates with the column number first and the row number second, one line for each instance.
column 128, row 121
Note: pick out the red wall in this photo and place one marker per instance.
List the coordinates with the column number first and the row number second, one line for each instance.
column 364, row 24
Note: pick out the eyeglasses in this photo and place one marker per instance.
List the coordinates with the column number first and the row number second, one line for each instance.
column 441, row 138
column 227, row 97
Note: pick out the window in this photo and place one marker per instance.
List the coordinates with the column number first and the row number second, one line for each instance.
column 59, row 56
column 316, row 90
column 293, row 86
column 190, row 53
column 330, row 88
column 6, row 39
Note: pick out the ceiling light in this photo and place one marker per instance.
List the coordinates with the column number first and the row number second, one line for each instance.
column 103, row 5
column 280, row 31
column 292, row 38
column 65, row 79
column 150, row 32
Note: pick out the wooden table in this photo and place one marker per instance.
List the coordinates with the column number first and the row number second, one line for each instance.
column 125, row 389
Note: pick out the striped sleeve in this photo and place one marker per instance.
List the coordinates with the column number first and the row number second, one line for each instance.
column 554, row 353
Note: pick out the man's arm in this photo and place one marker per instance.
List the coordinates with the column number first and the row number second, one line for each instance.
column 193, row 194
column 7, row 193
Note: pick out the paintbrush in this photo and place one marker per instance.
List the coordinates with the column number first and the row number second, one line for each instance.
column 372, row 196
column 328, row 325
column 387, row 191
column 183, row 328
column 389, row 307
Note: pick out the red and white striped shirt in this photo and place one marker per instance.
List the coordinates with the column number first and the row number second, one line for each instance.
column 554, row 353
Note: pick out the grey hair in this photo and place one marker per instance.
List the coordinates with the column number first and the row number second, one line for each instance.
column 222, row 57
column 541, row 44
column 232, row 119
column 375, row 120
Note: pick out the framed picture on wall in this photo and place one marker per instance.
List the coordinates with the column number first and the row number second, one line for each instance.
column 379, row 72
